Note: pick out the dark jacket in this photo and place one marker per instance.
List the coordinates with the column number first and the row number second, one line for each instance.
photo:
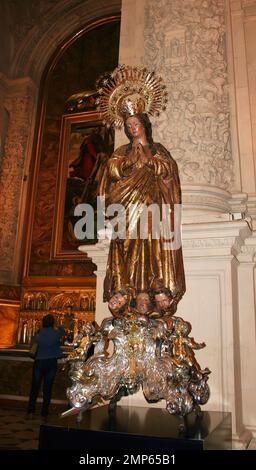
column 48, row 341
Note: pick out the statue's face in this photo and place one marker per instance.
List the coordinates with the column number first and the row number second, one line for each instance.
column 135, row 127
column 163, row 302
column 143, row 303
column 116, row 302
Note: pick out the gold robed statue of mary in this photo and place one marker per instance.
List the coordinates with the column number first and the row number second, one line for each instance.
column 145, row 276
column 143, row 178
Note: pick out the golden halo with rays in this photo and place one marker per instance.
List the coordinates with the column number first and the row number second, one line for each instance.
column 127, row 91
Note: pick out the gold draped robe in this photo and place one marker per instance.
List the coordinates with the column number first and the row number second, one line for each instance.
column 136, row 263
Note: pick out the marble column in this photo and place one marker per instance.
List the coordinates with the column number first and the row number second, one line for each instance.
column 247, row 329
column 242, row 38
column 99, row 254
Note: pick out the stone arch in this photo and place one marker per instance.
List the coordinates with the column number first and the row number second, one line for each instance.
column 59, row 23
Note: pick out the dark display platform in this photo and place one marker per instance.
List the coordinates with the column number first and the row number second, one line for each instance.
column 138, row 428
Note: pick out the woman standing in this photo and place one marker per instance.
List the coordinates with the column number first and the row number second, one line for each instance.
column 45, row 364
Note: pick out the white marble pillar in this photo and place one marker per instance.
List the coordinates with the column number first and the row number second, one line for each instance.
column 99, row 255
column 211, row 305
column 242, row 31
column 247, row 329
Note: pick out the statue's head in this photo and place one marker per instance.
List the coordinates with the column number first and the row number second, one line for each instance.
column 143, row 120
column 163, row 299
column 120, row 300
column 143, row 302
column 116, row 303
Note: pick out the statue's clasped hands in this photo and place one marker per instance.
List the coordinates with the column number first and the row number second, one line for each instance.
column 141, row 154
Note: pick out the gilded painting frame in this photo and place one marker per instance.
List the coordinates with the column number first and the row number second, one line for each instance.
column 85, row 145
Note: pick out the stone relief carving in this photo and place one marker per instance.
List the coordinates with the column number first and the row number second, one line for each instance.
column 10, row 292
column 45, row 196
column 175, row 47
column 185, row 42
column 247, row 4
column 19, row 109
column 249, row 8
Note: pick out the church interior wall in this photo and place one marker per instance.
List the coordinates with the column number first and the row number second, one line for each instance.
column 24, row 94
column 207, row 55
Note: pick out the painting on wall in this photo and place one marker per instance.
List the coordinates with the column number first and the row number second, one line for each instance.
column 86, row 144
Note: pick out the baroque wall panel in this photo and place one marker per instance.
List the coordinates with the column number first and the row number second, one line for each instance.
column 185, row 42
column 19, row 103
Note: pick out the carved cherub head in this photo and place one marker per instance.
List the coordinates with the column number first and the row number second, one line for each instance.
column 119, row 302
column 163, row 300
column 143, row 303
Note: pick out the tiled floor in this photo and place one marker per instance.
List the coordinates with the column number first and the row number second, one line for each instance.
column 17, row 431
